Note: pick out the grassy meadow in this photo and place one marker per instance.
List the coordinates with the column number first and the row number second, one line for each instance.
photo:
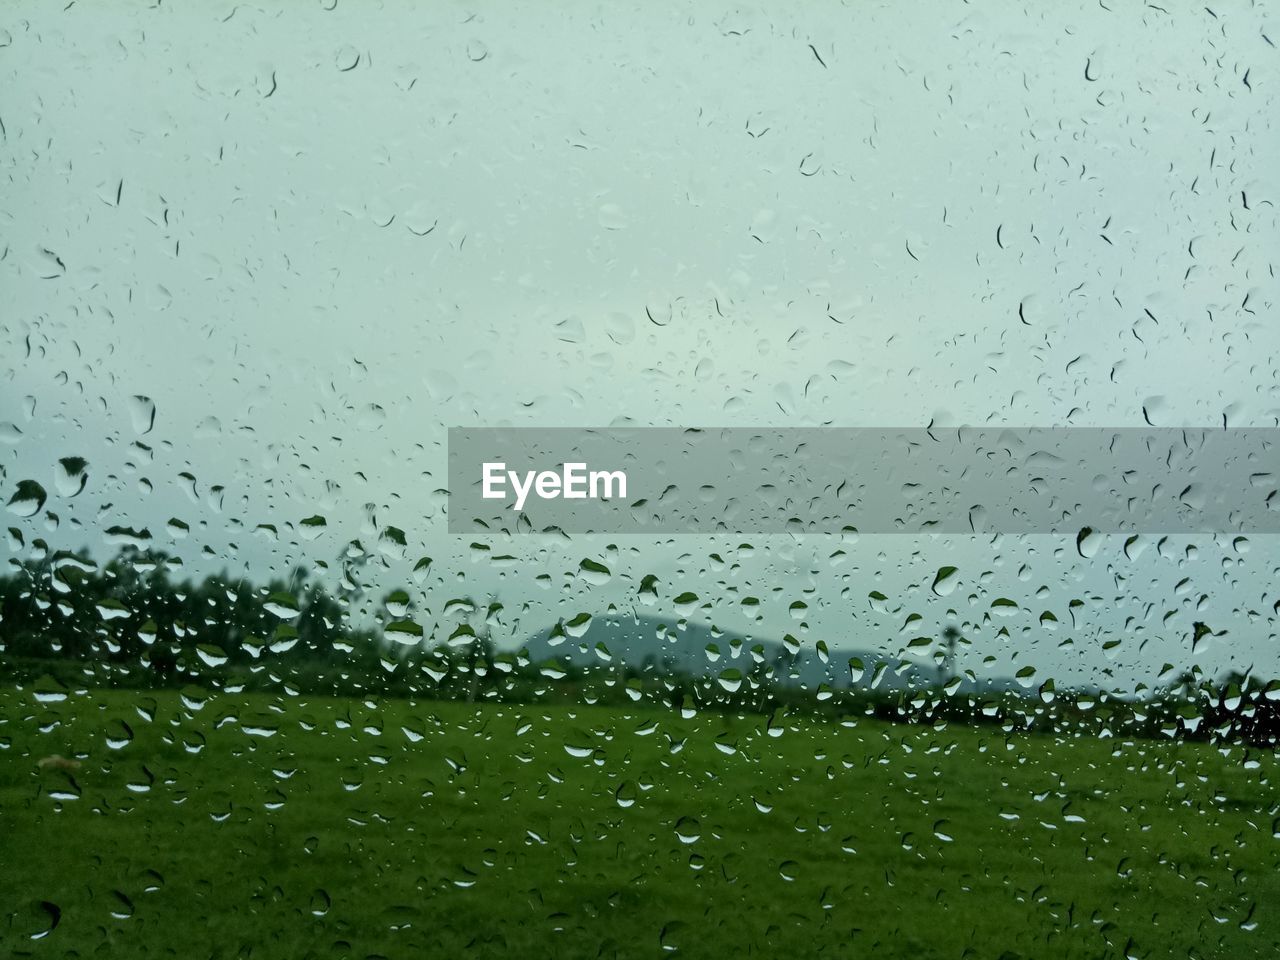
column 212, row 824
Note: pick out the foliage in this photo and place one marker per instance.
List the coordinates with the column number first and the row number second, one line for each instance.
column 129, row 623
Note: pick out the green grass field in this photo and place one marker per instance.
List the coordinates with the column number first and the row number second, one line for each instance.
column 259, row 826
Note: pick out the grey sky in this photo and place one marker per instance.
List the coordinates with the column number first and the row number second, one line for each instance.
column 862, row 214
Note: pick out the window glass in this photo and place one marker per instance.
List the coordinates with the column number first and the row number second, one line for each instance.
column 266, row 689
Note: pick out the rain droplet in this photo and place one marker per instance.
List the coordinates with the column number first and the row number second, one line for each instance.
column 142, row 411
column 28, row 500
column 596, row 574
column 70, row 476
column 282, row 605
column 611, row 217
column 944, row 582
column 688, row 830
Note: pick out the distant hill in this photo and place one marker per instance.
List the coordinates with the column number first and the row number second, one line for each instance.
column 699, row 649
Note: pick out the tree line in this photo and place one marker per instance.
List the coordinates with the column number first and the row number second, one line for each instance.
column 69, row 621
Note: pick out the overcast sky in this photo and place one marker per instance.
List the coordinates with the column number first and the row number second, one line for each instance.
column 316, row 240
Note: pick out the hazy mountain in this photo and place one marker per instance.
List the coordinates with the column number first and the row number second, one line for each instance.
column 702, row 650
